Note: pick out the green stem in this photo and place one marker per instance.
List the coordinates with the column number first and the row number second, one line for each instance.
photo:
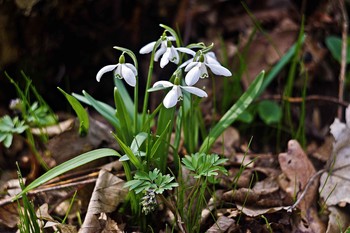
column 149, row 77
column 194, row 189
column 136, row 104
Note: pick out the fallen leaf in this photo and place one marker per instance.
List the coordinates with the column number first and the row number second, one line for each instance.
column 335, row 184
column 338, row 220
column 297, row 170
column 107, row 195
column 225, row 144
column 222, row 224
column 254, row 211
column 53, row 130
column 43, row 216
column 9, row 215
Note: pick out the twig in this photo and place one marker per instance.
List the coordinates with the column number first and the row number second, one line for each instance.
column 309, row 183
column 343, row 56
column 308, row 98
column 8, row 200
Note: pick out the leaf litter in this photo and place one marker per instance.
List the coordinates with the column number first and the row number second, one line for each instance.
column 264, row 187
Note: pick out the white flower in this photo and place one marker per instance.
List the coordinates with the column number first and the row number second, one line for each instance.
column 167, row 51
column 163, row 47
column 175, row 94
column 198, row 69
column 126, row 71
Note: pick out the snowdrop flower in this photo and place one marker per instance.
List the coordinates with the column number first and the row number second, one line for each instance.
column 122, row 70
column 197, row 68
column 175, row 94
column 167, row 51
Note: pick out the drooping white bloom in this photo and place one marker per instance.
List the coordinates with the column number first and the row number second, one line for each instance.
column 126, row 71
column 163, row 47
column 166, row 50
column 175, row 94
column 197, row 68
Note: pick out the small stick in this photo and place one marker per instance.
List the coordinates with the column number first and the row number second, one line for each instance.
column 343, row 56
column 308, row 98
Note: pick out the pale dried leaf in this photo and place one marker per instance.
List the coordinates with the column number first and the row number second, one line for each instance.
column 222, row 224
column 225, row 144
column 254, row 212
column 53, row 130
column 335, row 184
column 9, row 215
column 338, row 221
column 43, row 212
column 297, row 170
column 108, row 193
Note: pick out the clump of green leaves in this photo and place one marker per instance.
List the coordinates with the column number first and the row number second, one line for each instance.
column 153, row 180
column 204, row 164
column 150, row 184
column 10, row 126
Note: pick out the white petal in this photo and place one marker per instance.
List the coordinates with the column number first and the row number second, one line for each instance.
column 219, row 70
column 191, row 65
column 192, row 76
column 132, row 67
column 172, row 97
column 211, row 58
column 128, row 75
column 203, row 71
column 165, row 58
column 174, row 55
column 186, row 63
column 118, row 71
column 147, row 48
column 171, row 38
column 163, row 84
column 104, row 69
column 186, row 50
column 160, row 51
column 195, row 90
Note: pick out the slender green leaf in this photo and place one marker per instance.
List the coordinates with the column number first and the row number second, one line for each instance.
column 123, row 117
column 104, row 109
column 129, row 104
column 138, row 141
column 82, row 114
column 232, row 114
column 133, row 158
column 69, row 165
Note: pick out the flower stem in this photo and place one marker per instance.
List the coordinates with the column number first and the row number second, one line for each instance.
column 136, row 105
column 148, row 83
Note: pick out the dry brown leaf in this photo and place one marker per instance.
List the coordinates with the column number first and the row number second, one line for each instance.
column 339, row 220
column 335, row 185
column 222, row 224
column 225, row 144
column 297, row 170
column 43, row 215
column 254, row 211
column 107, row 194
column 9, row 215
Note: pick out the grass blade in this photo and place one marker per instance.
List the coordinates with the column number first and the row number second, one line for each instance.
column 67, row 166
column 82, row 114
